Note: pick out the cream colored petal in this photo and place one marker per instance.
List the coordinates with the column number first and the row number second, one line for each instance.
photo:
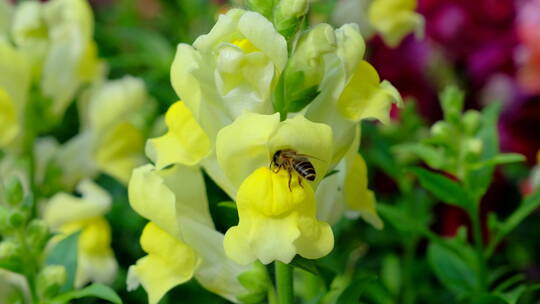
column 305, row 137
column 114, row 101
column 395, row 19
column 63, row 208
column 243, row 147
column 163, row 195
column 75, row 159
column 185, row 142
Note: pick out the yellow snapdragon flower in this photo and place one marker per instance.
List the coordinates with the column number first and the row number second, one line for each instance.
column 111, row 138
column 67, row 214
column 395, row 19
column 275, row 222
column 232, row 69
column 14, row 88
column 180, row 241
column 58, row 38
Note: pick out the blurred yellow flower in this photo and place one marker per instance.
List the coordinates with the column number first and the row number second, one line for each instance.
column 14, row 88
column 67, row 214
column 276, row 222
column 58, row 38
column 111, row 138
column 6, row 14
column 395, row 19
column 180, row 239
column 232, row 69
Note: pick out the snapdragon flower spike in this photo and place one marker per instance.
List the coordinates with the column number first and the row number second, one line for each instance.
column 395, row 19
column 67, row 214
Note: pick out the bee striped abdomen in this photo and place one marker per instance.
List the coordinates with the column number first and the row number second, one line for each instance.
column 305, row 169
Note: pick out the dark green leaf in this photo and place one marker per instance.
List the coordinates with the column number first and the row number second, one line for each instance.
column 450, row 268
column 95, row 290
column 442, row 187
column 305, row 264
column 484, row 298
column 358, row 286
column 65, row 253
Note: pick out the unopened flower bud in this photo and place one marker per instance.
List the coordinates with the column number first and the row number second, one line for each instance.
column 17, row 219
column 37, row 233
column 14, row 191
column 50, row 280
column 10, row 256
column 471, row 121
column 473, row 147
column 441, row 131
column 263, row 7
column 288, row 16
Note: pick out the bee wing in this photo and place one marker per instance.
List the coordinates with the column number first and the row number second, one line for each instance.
column 309, row 156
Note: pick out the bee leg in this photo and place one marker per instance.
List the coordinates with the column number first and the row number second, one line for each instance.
column 290, row 178
column 300, row 182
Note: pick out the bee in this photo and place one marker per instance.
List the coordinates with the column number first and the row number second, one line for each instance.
column 290, row 160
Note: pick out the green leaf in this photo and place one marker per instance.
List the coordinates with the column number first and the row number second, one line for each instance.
column 432, row 156
column 484, row 298
column 305, row 264
column 358, row 286
column 481, row 179
column 391, row 274
column 528, row 205
column 450, row 268
column 65, row 253
column 500, row 159
column 444, row 189
column 95, row 290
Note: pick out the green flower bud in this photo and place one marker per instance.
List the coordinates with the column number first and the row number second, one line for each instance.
column 471, row 122
column 257, row 282
column 10, row 256
column 50, row 280
column 9, row 249
column 452, row 100
column 441, row 131
column 473, row 148
column 288, row 15
column 17, row 219
column 37, row 233
column 14, row 191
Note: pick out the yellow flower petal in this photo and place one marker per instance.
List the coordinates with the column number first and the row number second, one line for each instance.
column 276, row 222
column 95, row 261
column 366, row 97
column 395, row 19
column 169, row 262
column 120, row 151
column 185, row 142
column 64, row 208
column 357, row 196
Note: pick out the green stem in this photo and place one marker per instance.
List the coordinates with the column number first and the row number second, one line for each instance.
column 409, row 295
column 284, row 283
column 30, row 268
column 474, row 214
